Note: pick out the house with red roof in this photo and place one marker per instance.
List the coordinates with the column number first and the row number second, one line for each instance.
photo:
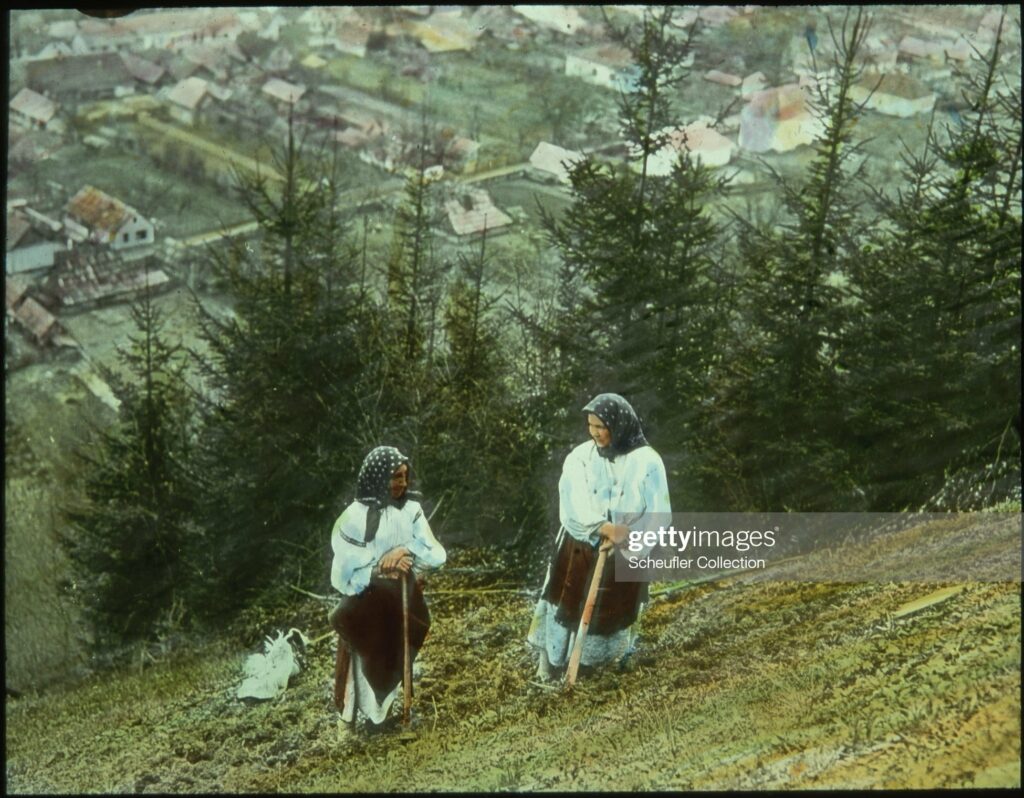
column 16, row 289
column 24, row 309
column 778, row 119
column 37, row 320
column 93, row 215
column 704, row 144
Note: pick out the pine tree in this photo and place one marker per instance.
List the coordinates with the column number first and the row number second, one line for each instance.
column 938, row 361
column 395, row 385
column 464, row 442
column 779, row 440
column 412, row 279
column 639, row 250
column 479, row 448
column 280, row 431
column 128, row 537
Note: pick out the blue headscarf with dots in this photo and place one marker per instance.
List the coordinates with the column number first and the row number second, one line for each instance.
column 620, row 417
column 374, row 485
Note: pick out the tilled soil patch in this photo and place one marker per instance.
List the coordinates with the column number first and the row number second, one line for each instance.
column 735, row 686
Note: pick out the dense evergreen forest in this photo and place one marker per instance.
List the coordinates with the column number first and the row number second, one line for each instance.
column 863, row 353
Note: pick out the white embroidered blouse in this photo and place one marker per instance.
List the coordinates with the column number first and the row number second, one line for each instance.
column 632, row 489
column 355, row 559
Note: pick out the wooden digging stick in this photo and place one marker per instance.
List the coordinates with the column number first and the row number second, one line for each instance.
column 407, row 660
column 588, row 611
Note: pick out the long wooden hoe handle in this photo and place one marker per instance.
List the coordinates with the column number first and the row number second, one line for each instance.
column 407, row 660
column 588, row 611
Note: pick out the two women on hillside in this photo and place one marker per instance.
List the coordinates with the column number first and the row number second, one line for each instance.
column 611, row 483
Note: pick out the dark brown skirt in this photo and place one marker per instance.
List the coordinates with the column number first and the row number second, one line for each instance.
column 618, row 603
column 370, row 625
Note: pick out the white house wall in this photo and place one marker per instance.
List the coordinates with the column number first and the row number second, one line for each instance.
column 183, row 115
column 31, row 258
column 597, row 74
column 892, row 105
column 133, row 234
column 793, row 133
column 761, row 133
column 663, row 161
column 76, row 232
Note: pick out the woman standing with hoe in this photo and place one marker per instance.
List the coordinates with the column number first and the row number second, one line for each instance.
column 381, row 542
column 609, row 484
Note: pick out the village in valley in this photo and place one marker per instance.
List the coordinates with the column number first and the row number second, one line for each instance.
column 124, row 133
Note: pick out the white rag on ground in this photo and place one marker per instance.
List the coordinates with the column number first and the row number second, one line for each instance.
column 267, row 674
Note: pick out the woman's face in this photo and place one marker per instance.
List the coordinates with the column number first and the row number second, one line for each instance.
column 399, row 481
column 600, row 434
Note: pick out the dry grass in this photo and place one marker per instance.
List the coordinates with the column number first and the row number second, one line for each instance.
column 743, row 686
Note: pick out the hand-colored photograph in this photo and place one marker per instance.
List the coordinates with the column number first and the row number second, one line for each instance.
column 527, row 398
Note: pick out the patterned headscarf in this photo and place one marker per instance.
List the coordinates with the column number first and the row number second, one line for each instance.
column 623, row 422
column 374, row 485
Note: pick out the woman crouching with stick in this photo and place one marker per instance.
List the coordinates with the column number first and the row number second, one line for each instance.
column 612, row 483
column 381, row 542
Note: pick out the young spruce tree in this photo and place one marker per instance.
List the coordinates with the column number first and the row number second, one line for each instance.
column 641, row 246
column 482, row 448
column 779, row 441
column 280, row 426
column 128, row 538
column 938, row 351
column 395, row 386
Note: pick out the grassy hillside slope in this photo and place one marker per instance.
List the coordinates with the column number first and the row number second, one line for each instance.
column 738, row 684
